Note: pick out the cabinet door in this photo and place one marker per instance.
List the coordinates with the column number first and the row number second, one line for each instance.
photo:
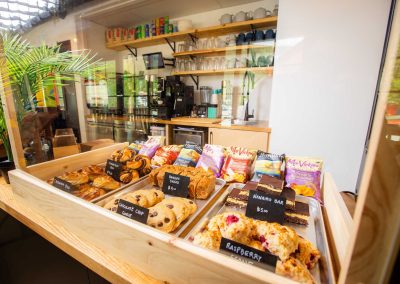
column 248, row 139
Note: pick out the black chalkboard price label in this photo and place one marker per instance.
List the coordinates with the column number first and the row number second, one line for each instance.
column 113, row 169
column 265, row 207
column 63, row 185
column 132, row 211
column 248, row 254
column 176, row 185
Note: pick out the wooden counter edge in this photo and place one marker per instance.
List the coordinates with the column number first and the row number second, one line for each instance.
column 84, row 252
column 253, row 128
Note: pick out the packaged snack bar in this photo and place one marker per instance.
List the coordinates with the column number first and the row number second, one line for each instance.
column 135, row 146
column 237, row 164
column 166, row 155
column 189, row 155
column 212, row 158
column 304, row 176
column 267, row 164
column 150, row 147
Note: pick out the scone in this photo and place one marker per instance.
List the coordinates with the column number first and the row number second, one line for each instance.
column 295, row 270
column 162, row 218
column 208, row 239
column 277, row 239
column 179, row 207
column 256, row 244
column 307, row 253
column 106, row 182
column 233, row 225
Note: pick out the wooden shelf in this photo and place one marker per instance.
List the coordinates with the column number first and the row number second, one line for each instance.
column 218, row 30
column 222, row 50
column 266, row 70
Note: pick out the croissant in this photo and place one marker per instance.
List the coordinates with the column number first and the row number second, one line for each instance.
column 106, row 182
column 75, row 178
column 93, row 171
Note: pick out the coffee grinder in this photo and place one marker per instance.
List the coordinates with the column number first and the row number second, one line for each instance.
column 205, row 94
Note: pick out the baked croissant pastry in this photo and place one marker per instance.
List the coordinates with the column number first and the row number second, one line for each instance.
column 75, row 178
column 123, row 155
column 93, row 171
column 88, row 192
column 129, row 176
column 106, row 182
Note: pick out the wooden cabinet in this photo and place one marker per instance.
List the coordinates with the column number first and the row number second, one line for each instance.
column 243, row 138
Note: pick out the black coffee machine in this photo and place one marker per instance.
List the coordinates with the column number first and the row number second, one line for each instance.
column 183, row 96
column 176, row 100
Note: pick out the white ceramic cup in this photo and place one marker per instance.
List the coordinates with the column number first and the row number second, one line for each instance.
column 242, row 16
column 261, row 12
column 226, row 19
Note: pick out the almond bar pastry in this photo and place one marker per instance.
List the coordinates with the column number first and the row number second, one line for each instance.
column 106, row 182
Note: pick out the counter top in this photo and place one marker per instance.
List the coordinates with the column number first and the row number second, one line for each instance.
column 259, row 126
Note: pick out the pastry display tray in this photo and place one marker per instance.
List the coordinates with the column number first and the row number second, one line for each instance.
column 314, row 232
column 181, row 231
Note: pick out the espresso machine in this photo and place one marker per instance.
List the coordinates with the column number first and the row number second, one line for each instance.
column 176, row 100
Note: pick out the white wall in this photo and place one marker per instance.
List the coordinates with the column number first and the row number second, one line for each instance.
column 327, row 61
column 53, row 31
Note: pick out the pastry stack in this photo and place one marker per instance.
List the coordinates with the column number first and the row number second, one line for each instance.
column 296, row 212
column 90, row 182
column 202, row 182
column 134, row 165
column 296, row 255
column 164, row 214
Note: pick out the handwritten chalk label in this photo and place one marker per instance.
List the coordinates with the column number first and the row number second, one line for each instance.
column 132, row 211
column 266, row 207
column 63, row 185
column 113, row 169
column 176, row 185
column 248, row 254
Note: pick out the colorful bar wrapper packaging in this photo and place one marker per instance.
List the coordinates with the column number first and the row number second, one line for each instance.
column 267, row 164
column 303, row 175
column 212, row 158
column 166, row 155
column 189, row 155
column 237, row 166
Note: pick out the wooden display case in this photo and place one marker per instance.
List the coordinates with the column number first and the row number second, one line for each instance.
column 161, row 255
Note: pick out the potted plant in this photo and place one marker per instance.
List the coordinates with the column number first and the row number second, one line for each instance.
column 31, row 68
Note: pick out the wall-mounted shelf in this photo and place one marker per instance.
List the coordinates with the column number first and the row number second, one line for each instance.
column 264, row 70
column 226, row 50
column 217, row 30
